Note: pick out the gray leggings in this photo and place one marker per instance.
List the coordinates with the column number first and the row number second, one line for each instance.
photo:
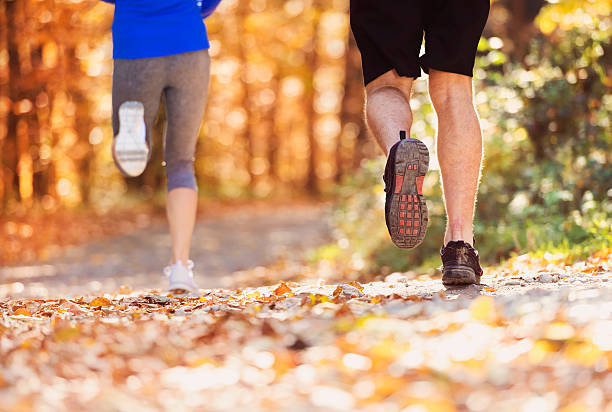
column 183, row 79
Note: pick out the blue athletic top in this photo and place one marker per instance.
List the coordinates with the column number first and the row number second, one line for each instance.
column 156, row 28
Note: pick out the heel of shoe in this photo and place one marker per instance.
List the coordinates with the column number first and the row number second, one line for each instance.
column 459, row 275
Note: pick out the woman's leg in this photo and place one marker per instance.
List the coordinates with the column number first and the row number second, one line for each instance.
column 140, row 80
column 188, row 76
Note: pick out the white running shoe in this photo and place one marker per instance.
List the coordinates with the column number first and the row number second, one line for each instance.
column 181, row 277
column 130, row 146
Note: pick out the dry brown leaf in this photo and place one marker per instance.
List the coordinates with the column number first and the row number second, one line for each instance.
column 72, row 308
column 356, row 284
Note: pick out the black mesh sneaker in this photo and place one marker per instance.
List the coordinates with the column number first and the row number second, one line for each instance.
column 460, row 264
column 405, row 208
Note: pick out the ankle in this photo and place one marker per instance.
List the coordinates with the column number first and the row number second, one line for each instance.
column 457, row 233
column 184, row 262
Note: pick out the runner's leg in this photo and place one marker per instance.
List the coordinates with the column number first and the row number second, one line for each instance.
column 459, row 150
column 188, row 77
column 140, row 80
column 388, row 108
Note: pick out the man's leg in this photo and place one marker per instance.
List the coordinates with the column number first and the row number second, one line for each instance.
column 459, row 150
column 388, row 108
column 389, row 118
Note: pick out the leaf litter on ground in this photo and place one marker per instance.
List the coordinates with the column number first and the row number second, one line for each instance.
column 395, row 345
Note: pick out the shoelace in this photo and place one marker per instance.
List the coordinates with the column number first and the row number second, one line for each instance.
column 168, row 269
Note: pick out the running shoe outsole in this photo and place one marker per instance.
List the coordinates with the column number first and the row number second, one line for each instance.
column 408, row 216
column 181, row 289
column 130, row 147
column 459, row 275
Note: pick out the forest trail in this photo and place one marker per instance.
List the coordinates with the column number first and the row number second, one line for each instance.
column 536, row 335
column 221, row 245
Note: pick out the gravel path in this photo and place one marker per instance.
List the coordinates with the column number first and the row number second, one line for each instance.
column 221, row 246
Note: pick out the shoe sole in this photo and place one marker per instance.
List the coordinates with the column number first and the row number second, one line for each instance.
column 130, row 150
column 459, row 275
column 408, row 216
column 181, row 288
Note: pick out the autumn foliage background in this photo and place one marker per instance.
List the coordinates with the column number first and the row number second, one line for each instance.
column 284, row 120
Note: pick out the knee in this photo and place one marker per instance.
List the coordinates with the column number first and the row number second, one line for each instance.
column 390, row 82
column 450, row 93
column 180, row 173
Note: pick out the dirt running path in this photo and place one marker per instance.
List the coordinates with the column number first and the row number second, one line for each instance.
column 221, row 246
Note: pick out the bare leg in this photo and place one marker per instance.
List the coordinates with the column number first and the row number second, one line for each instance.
column 459, row 150
column 181, row 207
column 388, row 108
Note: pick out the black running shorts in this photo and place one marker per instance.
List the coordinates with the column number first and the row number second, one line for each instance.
column 389, row 34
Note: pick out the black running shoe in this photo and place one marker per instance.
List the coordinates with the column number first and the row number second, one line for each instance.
column 460, row 264
column 405, row 208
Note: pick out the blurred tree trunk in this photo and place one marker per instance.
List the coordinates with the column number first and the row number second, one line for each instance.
column 519, row 28
column 4, row 96
column 312, row 64
column 274, row 140
column 9, row 152
column 351, row 114
column 243, row 13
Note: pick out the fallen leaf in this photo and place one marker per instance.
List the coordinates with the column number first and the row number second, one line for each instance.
column 379, row 298
column 23, row 311
column 337, row 291
column 282, row 289
column 72, row 308
column 68, row 333
column 483, row 308
column 157, row 300
column 100, row 301
column 356, row 284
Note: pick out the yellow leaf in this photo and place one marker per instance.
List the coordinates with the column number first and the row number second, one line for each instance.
column 200, row 361
column 101, row 301
column 576, row 406
column 559, row 331
column 540, row 350
column 68, row 333
column 483, row 309
column 585, row 354
column 432, row 405
column 202, row 299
